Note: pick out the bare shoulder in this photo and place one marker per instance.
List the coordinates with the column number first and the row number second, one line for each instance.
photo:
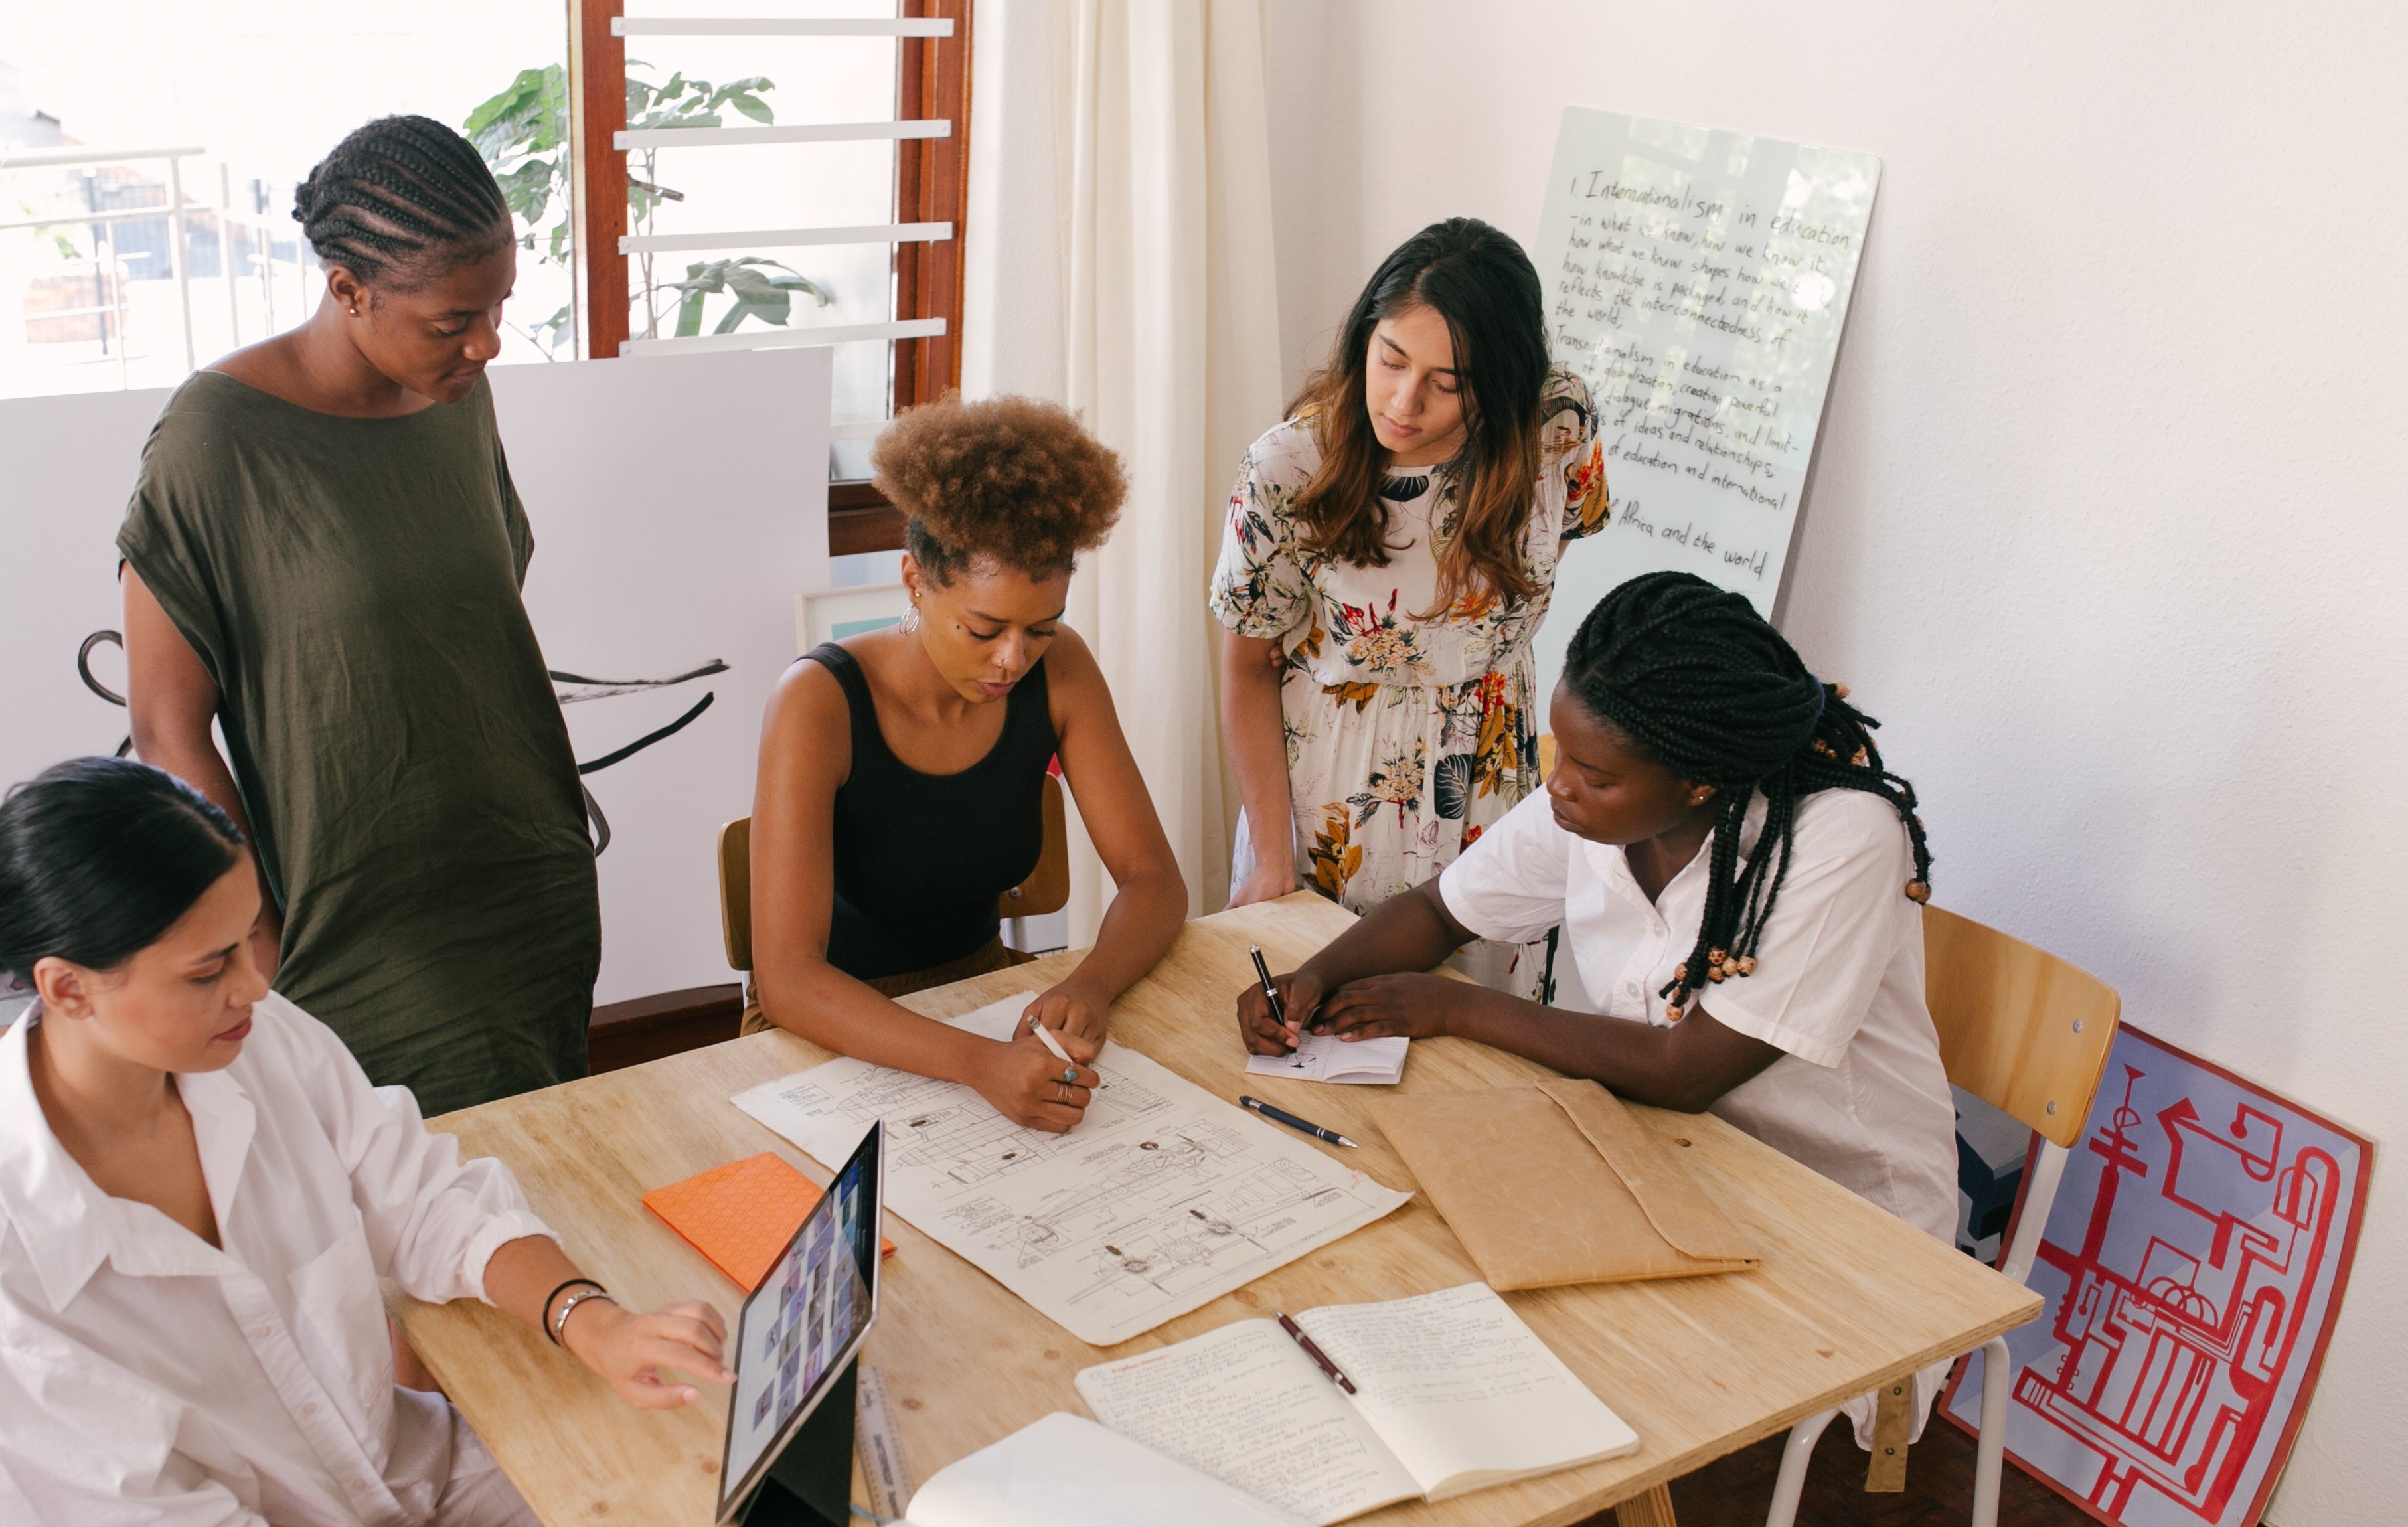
column 1074, row 681
column 809, row 714
column 1072, row 669
column 269, row 366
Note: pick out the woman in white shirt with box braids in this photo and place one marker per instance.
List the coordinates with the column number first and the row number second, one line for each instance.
column 198, row 1191
column 1738, row 879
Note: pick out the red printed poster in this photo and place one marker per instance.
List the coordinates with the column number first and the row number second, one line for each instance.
column 2192, row 1264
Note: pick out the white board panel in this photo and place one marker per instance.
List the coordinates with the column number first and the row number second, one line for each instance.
column 66, row 468
column 678, row 505
column 1699, row 280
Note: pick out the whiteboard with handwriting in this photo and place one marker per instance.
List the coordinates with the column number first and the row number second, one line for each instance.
column 1697, row 280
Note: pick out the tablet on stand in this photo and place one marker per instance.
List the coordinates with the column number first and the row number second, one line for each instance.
column 788, row 1461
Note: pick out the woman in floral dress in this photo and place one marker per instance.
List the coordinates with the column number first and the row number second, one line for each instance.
column 1389, row 555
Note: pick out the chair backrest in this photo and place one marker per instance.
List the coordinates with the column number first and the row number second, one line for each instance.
column 1048, row 886
column 1046, row 890
column 735, row 892
column 2019, row 1028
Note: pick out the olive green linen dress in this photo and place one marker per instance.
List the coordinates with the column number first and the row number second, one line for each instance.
column 351, row 585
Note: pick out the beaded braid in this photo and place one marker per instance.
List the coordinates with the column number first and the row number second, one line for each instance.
column 396, row 191
column 1697, row 677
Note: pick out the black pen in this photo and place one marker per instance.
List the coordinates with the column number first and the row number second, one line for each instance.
column 1270, row 988
column 1292, row 1121
column 1320, row 1358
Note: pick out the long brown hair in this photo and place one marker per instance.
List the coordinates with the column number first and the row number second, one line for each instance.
column 1480, row 282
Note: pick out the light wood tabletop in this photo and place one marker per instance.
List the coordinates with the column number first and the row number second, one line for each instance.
column 1848, row 1296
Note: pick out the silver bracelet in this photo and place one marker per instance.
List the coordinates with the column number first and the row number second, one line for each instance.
column 560, row 1320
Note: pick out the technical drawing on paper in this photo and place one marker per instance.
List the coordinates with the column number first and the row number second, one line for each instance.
column 1162, row 1199
column 2192, row 1263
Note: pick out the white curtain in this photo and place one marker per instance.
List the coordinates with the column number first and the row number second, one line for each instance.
column 1119, row 261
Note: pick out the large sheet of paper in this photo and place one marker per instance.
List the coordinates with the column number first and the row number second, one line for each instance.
column 1162, row 1199
column 1697, row 280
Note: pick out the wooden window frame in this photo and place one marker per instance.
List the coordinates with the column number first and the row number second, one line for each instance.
column 931, row 185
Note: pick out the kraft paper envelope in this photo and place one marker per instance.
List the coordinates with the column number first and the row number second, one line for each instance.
column 1557, row 1183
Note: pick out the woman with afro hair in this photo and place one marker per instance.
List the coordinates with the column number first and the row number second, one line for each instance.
column 901, row 772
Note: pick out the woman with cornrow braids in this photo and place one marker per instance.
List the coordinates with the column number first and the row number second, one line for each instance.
column 1738, row 879
column 323, row 557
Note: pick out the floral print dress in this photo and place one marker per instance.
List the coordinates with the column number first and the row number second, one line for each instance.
column 1407, row 736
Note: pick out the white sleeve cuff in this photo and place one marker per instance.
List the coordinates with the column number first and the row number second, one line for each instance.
column 499, row 1230
column 1815, row 1050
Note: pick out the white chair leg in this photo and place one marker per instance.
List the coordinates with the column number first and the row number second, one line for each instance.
column 1989, row 1452
column 1794, row 1456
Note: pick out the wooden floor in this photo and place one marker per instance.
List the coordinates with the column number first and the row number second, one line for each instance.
column 1736, row 1491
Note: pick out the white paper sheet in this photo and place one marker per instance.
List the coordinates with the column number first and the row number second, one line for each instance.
column 1326, row 1057
column 1066, row 1471
column 1162, row 1199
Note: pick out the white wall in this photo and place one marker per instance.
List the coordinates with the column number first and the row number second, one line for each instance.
column 2109, row 526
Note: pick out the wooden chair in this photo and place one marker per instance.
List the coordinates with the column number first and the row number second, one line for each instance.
column 1046, row 890
column 2027, row 1034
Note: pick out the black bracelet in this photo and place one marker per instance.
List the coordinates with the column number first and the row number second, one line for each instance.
column 543, row 1315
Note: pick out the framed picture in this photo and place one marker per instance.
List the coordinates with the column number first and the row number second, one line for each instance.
column 2192, row 1264
column 839, row 613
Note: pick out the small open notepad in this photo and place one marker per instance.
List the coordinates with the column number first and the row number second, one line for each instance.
column 1455, row 1394
column 1324, row 1057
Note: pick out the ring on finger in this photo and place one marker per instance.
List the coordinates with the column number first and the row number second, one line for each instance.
column 1069, row 1075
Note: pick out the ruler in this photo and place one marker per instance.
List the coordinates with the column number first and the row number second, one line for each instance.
column 879, row 1446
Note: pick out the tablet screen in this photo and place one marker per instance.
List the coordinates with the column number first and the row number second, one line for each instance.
column 800, row 1327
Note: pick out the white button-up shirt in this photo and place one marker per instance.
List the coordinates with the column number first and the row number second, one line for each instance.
column 1859, row 1094
column 149, row 1378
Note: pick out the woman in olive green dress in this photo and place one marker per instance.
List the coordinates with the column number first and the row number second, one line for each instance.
column 323, row 555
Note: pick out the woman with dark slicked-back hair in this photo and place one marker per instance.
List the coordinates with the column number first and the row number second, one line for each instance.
column 199, row 1191
column 323, row 556
column 1390, row 553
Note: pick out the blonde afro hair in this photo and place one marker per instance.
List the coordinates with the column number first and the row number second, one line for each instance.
column 1008, row 479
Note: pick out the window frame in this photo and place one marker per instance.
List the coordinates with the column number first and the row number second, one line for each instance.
column 931, row 185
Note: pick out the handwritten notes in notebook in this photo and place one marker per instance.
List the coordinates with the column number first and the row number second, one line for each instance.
column 1326, row 1057
column 1455, row 1393
column 1162, row 1199
column 1697, row 280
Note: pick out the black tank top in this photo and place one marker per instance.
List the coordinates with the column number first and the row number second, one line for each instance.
column 920, row 857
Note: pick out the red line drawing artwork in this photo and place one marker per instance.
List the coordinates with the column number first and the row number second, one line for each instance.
column 2192, row 1264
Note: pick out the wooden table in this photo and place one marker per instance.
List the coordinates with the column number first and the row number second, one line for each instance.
column 1848, row 1296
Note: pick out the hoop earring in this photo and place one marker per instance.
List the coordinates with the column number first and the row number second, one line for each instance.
column 909, row 624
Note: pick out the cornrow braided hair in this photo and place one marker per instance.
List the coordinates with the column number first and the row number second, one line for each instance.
column 1697, row 677
column 402, row 191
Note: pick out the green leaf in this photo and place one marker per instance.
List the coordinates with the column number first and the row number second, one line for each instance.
column 752, row 106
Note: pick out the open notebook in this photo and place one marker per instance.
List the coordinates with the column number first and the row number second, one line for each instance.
column 1455, row 1393
column 1324, row 1057
column 1066, row 1471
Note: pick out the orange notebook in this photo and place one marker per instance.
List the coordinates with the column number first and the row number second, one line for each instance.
column 741, row 1215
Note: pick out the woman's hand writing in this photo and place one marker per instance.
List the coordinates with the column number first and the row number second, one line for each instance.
column 1077, row 1015
column 1024, row 1083
column 1302, row 995
column 630, row 1350
column 1414, row 1004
